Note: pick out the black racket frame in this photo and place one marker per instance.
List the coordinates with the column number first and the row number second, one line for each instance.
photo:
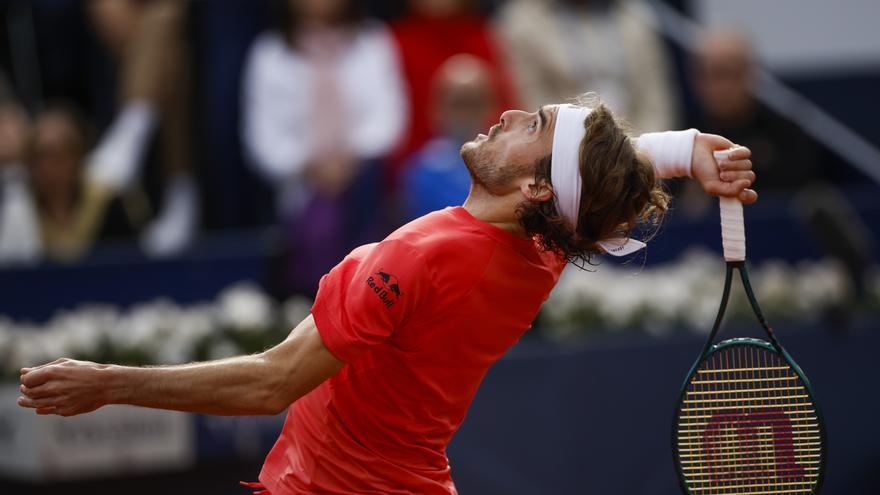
column 773, row 345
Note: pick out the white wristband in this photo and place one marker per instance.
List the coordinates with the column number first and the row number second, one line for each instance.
column 670, row 151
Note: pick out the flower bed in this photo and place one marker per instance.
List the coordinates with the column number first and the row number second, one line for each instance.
column 677, row 297
column 684, row 296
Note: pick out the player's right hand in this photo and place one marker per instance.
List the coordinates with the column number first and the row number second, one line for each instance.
column 64, row 387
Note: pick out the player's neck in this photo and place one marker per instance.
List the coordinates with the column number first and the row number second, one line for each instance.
column 499, row 211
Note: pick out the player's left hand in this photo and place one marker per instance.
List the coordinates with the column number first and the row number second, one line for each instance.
column 64, row 387
column 732, row 177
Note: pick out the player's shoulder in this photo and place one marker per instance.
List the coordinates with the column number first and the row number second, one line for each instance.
column 453, row 238
column 455, row 250
column 442, row 245
column 443, row 233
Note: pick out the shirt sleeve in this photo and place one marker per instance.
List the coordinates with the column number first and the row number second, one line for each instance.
column 364, row 299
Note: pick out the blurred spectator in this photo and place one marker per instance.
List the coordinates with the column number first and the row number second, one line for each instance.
column 19, row 235
column 71, row 214
column 148, row 42
column 323, row 102
column 431, row 32
column 463, row 99
column 723, row 72
column 785, row 158
column 561, row 48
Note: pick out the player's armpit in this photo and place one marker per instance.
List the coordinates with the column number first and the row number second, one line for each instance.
column 298, row 365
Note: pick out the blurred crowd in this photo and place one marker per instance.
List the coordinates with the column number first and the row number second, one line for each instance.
column 156, row 121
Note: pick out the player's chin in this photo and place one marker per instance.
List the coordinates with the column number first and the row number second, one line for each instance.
column 469, row 149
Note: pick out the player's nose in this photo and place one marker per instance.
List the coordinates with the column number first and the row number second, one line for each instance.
column 510, row 117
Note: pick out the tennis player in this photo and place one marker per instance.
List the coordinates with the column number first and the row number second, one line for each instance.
column 379, row 377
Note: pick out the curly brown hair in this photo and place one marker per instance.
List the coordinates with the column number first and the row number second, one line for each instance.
column 619, row 192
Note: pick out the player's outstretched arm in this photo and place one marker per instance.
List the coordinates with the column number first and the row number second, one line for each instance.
column 264, row 383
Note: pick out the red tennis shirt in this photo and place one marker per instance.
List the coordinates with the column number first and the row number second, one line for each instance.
column 418, row 318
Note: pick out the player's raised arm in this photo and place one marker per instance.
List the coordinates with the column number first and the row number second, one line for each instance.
column 263, row 383
column 690, row 153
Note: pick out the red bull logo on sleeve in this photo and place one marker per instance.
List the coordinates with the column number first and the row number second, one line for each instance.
column 386, row 286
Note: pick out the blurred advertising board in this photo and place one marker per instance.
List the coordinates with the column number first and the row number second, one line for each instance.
column 111, row 441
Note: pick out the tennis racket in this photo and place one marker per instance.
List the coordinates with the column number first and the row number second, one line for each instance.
column 746, row 420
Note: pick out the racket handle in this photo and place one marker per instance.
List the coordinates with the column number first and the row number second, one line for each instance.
column 733, row 233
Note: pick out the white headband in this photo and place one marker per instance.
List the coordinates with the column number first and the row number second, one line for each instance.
column 565, row 175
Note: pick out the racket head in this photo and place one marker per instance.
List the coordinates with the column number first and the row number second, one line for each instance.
column 747, row 422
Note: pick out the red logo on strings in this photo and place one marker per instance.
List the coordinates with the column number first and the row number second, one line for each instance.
column 743, row 459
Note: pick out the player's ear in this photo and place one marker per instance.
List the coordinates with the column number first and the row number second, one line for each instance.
column 536, row 190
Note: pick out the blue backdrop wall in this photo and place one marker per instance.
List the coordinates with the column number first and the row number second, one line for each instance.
column 597, row 419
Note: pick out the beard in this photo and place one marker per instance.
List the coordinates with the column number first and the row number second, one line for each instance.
column 476, row 161
column 487, row 170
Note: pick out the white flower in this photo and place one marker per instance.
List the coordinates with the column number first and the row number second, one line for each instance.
column 819, row 285
column 80, row 332
column 145, row 326
column 295, row 310
column 610, row 298
column 7, row 338
column 32, row 347
column 245, row 307
column 177, row 344
column 223, row 349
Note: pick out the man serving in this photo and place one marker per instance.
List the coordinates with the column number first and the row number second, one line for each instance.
column 380, row 376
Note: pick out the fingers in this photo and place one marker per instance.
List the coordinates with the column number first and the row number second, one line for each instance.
column 716, row 142
column 737, row 170
column 36, row 377
column 735, row 165
column 738, row 189
column 737, row 175
column 727, row 189
column 32, row 368
column 739, row 153
column 40, row 392
column 748, row 196
column 733, row 175
column 37, row 403
column 720, row 143
column 50, row 405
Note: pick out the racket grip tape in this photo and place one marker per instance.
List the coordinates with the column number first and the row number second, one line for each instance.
column 733, row 235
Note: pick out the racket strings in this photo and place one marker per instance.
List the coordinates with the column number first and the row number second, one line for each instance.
column 747, row 425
